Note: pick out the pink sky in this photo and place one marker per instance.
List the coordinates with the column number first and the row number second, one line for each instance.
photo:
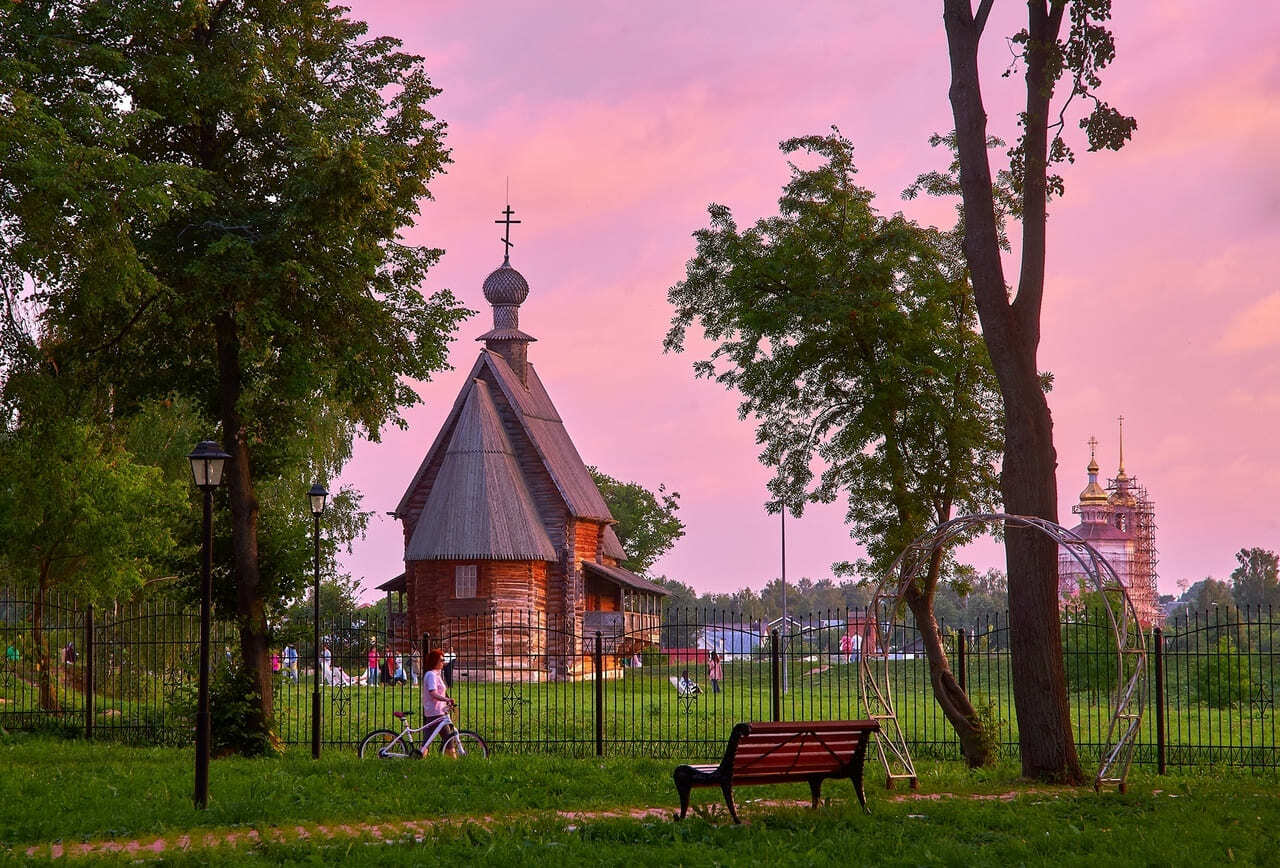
column 618, row 122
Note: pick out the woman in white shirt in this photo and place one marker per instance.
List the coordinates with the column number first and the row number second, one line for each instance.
column 435, row 697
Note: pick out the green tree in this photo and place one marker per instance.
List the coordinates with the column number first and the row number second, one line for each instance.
column 1209, row 594
column 338, row 602
column 1254, row 583
column 1011, row 320
column 208, row 198
column 80, row 514
column 851, row 338
column 647, row 522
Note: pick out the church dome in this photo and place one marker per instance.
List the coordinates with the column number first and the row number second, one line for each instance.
column 1093, row 492
column 505, row 285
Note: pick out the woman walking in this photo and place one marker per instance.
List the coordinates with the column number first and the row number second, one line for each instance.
column 715, row 672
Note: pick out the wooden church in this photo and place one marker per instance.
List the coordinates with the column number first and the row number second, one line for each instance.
column 508, row 541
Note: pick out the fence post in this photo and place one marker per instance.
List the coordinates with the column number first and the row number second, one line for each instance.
column 1158, row 637
column 961, row 662
column 599, row 666
column 88, row 672
column 775, row 674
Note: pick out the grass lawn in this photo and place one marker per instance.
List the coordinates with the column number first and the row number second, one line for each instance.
column 514, row 809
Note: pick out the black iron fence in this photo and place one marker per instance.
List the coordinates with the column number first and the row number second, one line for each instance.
column 530, row 684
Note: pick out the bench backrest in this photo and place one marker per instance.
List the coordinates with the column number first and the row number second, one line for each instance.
column 795, row 747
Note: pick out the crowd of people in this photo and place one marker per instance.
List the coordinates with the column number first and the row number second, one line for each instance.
column 384, row 668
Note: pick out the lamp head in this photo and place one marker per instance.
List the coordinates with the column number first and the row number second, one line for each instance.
column 318, row 495
column 207, row 462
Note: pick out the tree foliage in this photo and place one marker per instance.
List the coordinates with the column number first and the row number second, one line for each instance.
column 647, row 522
column 207, row 198
column 851, row 338
column 1255, row 583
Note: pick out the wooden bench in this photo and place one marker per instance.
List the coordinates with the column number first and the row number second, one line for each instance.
column 775, row 753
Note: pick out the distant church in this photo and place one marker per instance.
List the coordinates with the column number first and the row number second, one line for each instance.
column 1118, row 521
column 507, row 538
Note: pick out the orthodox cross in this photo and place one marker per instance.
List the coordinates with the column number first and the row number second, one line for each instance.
column 1093, row 447
column 506, row 239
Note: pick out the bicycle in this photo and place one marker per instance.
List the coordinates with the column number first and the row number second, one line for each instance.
column 387, row 744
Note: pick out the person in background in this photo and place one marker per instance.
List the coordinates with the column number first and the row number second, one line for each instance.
column 397, row 670
column 384, row 669
column 326, row 660
column 372, row 672
column 291, row 663
column 715, row 672
column 275, row 662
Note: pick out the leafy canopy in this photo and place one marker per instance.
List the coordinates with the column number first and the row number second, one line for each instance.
column 1255, row 582
column 851, row 339
column 647, row 522
column 184, row 183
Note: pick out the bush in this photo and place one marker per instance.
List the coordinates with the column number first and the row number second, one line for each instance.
column 233, row 715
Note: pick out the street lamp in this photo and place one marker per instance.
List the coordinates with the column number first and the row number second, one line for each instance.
column 785, row 623
column 318, row 494
column 207, row 461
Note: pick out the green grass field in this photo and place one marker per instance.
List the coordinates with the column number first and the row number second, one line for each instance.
column 513, row 810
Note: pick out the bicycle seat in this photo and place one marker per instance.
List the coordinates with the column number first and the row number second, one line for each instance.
column 401, row 715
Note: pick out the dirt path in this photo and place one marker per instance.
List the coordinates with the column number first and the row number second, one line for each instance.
column 403, row 830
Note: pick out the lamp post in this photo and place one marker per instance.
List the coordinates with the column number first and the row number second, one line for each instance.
column 207, row 461
column 318, row 494
column 785, row 622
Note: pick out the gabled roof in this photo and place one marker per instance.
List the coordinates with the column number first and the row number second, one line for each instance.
column 540, row 421
column 479, row 506
column 626, row 578
column 611, row 546
column 539, row 417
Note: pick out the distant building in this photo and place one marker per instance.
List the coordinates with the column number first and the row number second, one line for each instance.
column 732, row 641
column 1118, row 521
column 504, row 525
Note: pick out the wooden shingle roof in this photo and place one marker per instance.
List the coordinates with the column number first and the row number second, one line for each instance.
column 626, row 578
column 547, row 432
column 479, row 506
column 538, row 417
column 611, row 546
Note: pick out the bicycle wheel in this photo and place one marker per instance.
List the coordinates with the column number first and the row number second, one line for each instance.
column 465, row 744
column 384, row 744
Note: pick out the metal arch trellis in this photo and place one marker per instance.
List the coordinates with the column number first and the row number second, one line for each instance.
column 1131, row 645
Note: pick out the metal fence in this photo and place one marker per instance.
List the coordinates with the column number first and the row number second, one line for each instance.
column 529, row 684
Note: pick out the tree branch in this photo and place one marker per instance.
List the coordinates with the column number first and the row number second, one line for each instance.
column 980, row 19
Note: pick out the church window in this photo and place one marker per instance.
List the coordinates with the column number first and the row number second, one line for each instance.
column 464, row 581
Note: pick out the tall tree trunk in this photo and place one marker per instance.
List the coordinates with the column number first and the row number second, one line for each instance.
column 975, row 744
column 44, row 671
column 250, row 607
column 1012, row 334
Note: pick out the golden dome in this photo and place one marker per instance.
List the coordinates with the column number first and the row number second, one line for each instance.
column 1093, row 492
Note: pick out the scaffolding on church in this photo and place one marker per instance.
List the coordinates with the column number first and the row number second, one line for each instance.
column 1141, row 569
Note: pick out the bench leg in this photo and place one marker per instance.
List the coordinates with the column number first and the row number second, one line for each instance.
column 683, row 786
column 815, row 787
column 728, row 800
column 856, row 777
